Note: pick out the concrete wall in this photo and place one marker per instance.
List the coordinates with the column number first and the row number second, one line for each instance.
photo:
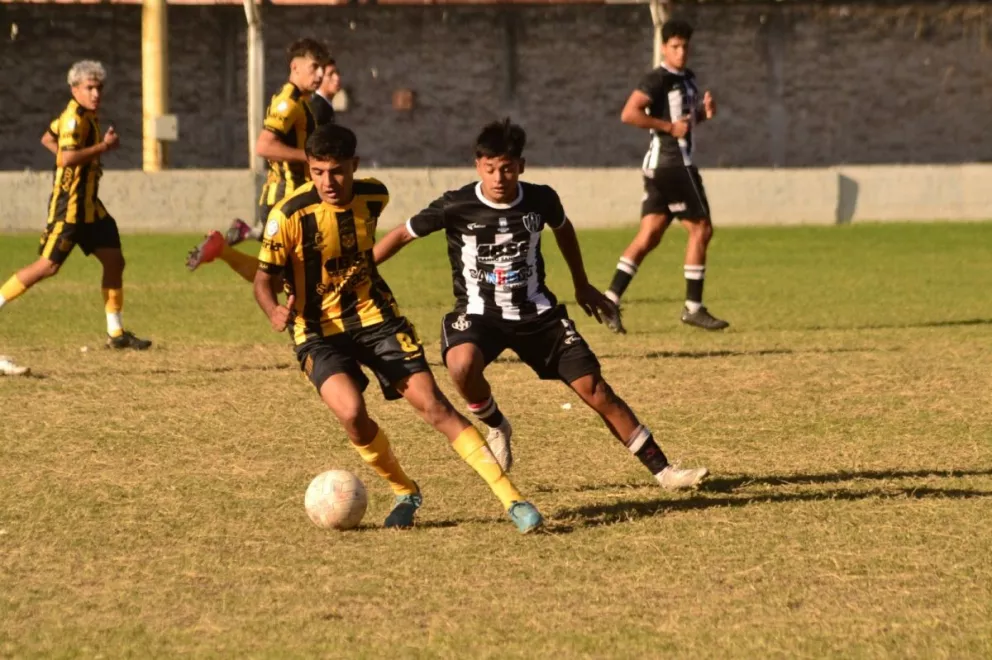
column 799, row 84
column 197, row 200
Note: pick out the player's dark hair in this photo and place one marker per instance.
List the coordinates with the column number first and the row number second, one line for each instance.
column 331, row 142
column 501, row 138
column 675, row 28
column 307, row 47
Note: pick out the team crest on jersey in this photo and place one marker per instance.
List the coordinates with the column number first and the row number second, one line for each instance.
column 348, row 240
column 461, row 324
column 533, row 222
column 272, row 228
column 504, row 224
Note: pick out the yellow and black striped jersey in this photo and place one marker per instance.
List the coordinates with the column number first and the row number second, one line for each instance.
column 290, row 119
column 74, row 189
column 325, row 253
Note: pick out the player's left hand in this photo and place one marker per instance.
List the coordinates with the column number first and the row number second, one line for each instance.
column 709, row 105
column 593, row 302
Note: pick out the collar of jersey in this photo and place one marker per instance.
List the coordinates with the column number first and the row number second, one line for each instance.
column 494, row 205
column 671, row 70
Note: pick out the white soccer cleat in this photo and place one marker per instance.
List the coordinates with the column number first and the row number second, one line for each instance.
column 499, row 442
column 9, row 368
column 675, row 478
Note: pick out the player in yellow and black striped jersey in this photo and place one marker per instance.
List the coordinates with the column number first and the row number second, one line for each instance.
column 343, row 316
column 288, row 123
column 75, row 213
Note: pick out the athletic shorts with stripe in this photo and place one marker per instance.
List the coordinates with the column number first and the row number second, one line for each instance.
column 548, row 344
column 676, row 192
column 59, row 238
column 391, row 350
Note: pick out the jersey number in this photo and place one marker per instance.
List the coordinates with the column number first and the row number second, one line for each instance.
column 407, row 343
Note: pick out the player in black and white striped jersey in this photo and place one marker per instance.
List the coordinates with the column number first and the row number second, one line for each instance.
column 667, row 103
column 494, row 230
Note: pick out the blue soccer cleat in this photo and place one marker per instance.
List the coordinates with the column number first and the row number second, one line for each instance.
column 401, row 517
column 525, row 516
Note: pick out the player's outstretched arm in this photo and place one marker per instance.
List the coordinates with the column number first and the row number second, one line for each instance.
column 265, row 294
column 269, row 147
column 590, row 299
column 392, row 243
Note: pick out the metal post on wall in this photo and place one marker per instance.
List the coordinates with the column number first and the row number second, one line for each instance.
column 659, row 14
column 157, row 127
column 256, row 87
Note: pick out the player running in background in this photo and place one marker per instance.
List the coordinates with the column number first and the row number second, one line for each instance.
column 288, row 124
column 666, row 102
column 494, row 230
column 75, row 213
column 341, row 315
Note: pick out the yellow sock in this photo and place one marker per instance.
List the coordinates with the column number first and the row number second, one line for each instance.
column 243, row 264
column 474, row 451
column 113, row 303
column 379, row 455
column 11, row 289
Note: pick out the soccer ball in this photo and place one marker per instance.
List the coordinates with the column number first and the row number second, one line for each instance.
column 336, row 499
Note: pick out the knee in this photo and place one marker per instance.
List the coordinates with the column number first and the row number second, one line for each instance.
column 702, row 232
column 354, row 420
column 461, row 367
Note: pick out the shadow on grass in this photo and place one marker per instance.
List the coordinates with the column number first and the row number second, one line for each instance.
column 730, row 484
column 902, row 326
column 596, row 515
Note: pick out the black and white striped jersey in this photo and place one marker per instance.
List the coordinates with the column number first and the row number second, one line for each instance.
column 674, row 96
column 495, row 249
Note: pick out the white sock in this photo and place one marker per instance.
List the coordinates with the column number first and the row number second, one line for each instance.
column 693, row 306
column 114, row 324
column 614, row 298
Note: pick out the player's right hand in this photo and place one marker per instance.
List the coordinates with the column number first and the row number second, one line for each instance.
column 111, row 139
column 679, row 128
column 279, row 318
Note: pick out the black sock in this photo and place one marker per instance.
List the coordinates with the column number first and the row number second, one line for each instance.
column 487, row 412
column 694, row 283
column 642, row 445
column 626, row 269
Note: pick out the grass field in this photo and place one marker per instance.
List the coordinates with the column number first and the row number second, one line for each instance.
column 152, row 504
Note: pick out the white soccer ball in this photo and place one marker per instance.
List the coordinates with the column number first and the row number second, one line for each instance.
column 336, row 499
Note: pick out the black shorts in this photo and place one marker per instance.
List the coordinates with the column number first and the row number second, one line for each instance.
column 392, row 350
column 549, row 344
column 677, row 192
column 60, row 238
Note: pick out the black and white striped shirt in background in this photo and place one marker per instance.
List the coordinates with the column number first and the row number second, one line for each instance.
column 674, row 96
column 495, row 249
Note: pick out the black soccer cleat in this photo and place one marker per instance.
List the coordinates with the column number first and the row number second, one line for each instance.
column 128, row 340
column 701, row 318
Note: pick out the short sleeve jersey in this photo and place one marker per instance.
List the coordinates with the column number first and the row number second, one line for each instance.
column 289, row 118
column 674, row 96
column 495, row 249
column 74, row 189
column 325, row 253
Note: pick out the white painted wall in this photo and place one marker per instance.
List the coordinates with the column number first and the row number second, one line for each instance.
column 197, row 200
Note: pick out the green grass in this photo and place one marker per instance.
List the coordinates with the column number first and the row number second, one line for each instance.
column 152, row 503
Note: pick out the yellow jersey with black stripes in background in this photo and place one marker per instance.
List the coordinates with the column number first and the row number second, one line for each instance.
column 325, row 254
column 74, row 189
column 290, row 119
